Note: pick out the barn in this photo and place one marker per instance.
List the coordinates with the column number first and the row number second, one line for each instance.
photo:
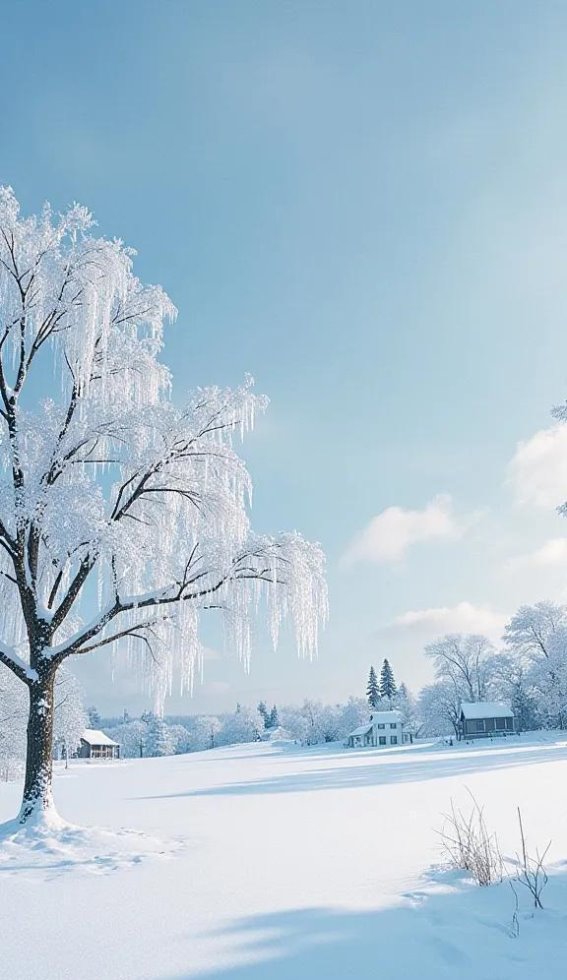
column 97, row 745
column 485, row 719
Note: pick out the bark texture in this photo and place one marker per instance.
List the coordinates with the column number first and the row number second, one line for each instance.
column 37, row 797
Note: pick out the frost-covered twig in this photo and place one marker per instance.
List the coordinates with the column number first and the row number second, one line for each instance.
column 530, row 871
column 469, row 845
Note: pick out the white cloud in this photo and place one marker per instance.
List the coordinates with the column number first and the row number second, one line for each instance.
column 538, row 469
column 462, row 618
column 389, row 535
column 553, row 552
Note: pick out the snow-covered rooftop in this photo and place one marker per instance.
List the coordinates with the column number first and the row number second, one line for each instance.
column 361, row 730
column 93, row 737
column 486, row 709
column 384, row 716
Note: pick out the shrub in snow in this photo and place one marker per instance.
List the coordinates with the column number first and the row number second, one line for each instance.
column 530, row 871
column 469, row 846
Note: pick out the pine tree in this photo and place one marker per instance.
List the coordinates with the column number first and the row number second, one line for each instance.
column 372, row 689
column 94, row 717
column 388, row 689
column 158, row 739
column 263, row 711
column 273, row 720
column 405, row 702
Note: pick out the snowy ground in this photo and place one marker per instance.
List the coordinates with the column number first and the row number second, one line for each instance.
column 288, row 864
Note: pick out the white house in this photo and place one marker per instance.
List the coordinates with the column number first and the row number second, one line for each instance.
column 385, row 728
column 485, row 719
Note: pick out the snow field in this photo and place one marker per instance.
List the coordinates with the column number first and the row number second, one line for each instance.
column 271, row 861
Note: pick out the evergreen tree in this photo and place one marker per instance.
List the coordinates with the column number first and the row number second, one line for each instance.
column 273, row 720
column 263, row 711
column 405, row 702
column 158, row 738
column 94, row 717
column 372, row 689
column 388, row 689
column 526, row 714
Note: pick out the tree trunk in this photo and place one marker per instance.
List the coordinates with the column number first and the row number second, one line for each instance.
column 37, row 798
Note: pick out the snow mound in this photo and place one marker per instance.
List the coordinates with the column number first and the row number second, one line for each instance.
column 51, row 845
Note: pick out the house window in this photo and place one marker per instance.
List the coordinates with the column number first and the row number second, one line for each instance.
column 393, row 739
column 380, row 726
column 501, row 724
column 394, row 725
column 382, row 740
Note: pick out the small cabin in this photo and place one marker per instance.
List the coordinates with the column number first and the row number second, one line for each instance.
column 97, row 745
column 485, row 719
column 385, row 728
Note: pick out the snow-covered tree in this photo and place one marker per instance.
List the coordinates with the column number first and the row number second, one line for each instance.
column 537, row 636
column 388, row 688
column 293, row 719
column 159, row 740
column 263, row 711
column 532, row 628
column 462, row 659
column 204, row 731
column 548, row 676
column 244, row 725
column 93, row 717
column 353, row 714
column 314, row 723
column 70, row 716
column 273, row 718
column 180, row 739
column 509, row 681
column 122, row 517
column 69, row 722
column 404, row 701
column 13, row 713
column 439, row 709
column 131, row 737
column 373, row 689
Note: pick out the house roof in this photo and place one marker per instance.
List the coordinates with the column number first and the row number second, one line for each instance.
column 486, row 709
column 93, row 737
column 384, row 716
column 361, row 730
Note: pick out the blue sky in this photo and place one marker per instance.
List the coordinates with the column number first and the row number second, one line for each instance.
column 363, row 204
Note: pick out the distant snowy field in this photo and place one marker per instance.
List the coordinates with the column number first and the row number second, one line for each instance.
column 287, row 864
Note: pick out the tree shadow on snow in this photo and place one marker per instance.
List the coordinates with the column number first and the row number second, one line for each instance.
column 449, row 930
column 380, row 769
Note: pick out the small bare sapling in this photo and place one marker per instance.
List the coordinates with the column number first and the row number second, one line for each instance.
column 470, row 846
